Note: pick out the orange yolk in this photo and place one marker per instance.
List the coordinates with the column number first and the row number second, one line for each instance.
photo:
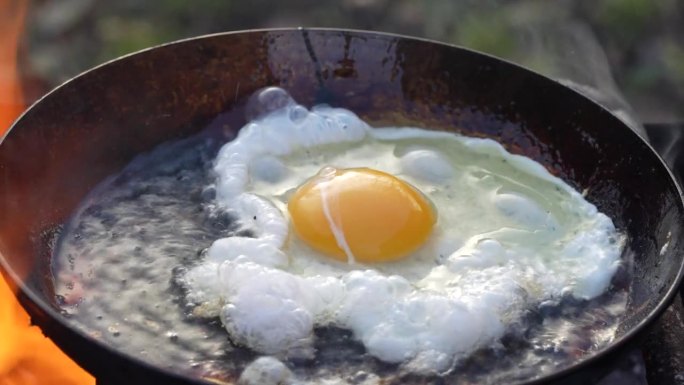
column 361, row 214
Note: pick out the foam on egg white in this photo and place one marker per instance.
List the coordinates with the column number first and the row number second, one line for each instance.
column 510, row 236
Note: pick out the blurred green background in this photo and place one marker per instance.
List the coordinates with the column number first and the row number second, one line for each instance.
column 607, row 48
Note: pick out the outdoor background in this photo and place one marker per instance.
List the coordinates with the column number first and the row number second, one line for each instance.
column 640, row 41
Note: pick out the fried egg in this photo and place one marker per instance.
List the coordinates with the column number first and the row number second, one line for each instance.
column 426, row 245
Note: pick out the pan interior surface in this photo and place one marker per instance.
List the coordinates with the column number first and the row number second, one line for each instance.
column 191, row 96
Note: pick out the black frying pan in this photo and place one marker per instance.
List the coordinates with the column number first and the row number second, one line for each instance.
column 95, row 124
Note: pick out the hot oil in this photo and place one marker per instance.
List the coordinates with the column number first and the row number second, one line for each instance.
column 115, row 266
column 118, row 266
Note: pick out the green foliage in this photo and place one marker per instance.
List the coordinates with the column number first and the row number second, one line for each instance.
column 644, row 77
column 120, row 36
column 626, row 19
column 488, row 33
column 673, row 59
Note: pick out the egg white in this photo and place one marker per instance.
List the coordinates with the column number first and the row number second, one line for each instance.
column 509, row 236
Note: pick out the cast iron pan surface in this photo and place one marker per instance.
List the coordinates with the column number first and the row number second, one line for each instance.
column 92, row 126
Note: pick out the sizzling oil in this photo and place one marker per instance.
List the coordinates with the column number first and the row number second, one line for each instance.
column 118, row 263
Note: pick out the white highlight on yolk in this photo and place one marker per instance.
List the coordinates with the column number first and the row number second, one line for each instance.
column 325, row 175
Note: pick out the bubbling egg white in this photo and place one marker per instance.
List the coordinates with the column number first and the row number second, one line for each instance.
column 509, row 237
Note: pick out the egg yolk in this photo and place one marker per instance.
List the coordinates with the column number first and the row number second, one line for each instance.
column 361, row 214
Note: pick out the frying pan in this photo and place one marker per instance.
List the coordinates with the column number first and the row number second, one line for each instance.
column 93, row 125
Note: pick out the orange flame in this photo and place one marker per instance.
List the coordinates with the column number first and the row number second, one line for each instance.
column 26, row 356
column 12, row 15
